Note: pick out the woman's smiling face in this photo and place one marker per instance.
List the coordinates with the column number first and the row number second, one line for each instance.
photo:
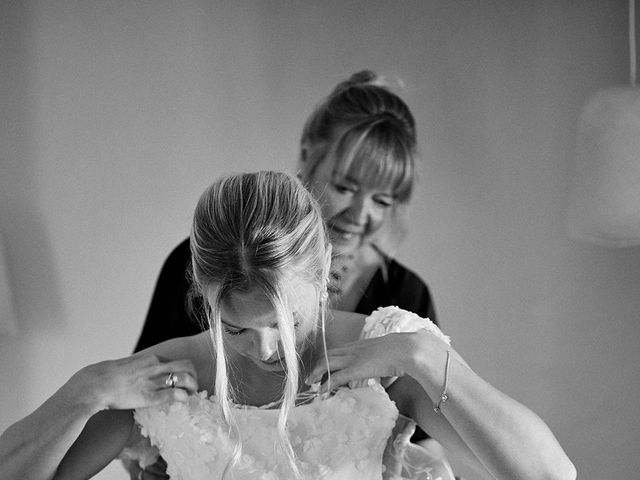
column 352, row 208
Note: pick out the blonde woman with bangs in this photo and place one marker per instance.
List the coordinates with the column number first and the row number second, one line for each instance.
column 280, row 386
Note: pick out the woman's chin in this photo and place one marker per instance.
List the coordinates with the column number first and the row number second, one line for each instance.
column 276, row 366
column 343, row 245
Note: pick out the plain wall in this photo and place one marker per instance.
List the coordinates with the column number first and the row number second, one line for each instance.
column 116, row 115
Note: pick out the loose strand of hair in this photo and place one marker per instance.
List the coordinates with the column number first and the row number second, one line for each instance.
column 288, row 340
column 324, row 340
column 222, row 387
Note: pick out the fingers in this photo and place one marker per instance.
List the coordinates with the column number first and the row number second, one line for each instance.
column 360, row 360
column 317, row 373
column 176, row 374
column 146, row 379
column 151, row 390
column 178, row 380
column 169, row 395
column 164, row 368
column 335, row 363
column 337, row 379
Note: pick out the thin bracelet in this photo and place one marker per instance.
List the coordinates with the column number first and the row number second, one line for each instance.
column 443, row 396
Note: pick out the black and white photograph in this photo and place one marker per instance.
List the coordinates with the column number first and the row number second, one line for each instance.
column 319, row 240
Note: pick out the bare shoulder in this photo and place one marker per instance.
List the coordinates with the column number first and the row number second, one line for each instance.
column 181, row 348
column 197, row 348
column 343, row 327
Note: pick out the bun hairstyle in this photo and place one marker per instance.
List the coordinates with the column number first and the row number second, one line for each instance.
column 258, row 232
column 368, row 129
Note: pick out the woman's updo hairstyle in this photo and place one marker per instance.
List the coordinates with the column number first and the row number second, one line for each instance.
column 258, row 232
column 253, row 230
column 368, row 129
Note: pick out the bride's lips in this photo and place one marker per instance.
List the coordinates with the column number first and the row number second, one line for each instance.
column 271, row 364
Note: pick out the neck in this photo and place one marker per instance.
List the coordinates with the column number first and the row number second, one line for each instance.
column 257, row 387
column 351, row 275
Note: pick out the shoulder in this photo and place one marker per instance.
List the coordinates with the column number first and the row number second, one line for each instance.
column 407, row 290
column 181, row 253
column 181, row 347
column 393, row 319
column 176, row 262
column 196, row 348
column 343, row 327
column 403, row 276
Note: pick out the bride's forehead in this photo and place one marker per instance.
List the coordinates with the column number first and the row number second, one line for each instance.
column 254, row 304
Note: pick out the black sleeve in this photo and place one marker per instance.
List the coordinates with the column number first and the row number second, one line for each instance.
column 413, row 295
column 409, row 292
column 168, row 315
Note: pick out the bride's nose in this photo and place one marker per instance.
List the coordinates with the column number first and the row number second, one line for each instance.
column 265, row 344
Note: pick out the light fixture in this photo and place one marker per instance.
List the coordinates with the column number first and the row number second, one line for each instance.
column 604, row 206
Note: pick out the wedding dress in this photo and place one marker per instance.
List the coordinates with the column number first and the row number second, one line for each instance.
column 344, row 436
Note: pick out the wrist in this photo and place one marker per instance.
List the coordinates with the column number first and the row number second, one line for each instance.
column 83, row 395
column 428, row 361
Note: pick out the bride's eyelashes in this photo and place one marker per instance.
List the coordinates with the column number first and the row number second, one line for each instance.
column 239, row 331
column 230, row 331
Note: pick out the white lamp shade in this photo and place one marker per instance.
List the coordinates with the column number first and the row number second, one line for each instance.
column 605, row 199
column 7, row 310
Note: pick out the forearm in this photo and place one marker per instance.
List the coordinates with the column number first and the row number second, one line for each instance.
column 508, row 439
column 87, row 422
column 32, row 448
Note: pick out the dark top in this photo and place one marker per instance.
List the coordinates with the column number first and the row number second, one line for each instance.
column 169, row 316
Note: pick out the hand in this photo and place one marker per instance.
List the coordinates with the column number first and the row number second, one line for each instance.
column 135, row 382
column 388, row 356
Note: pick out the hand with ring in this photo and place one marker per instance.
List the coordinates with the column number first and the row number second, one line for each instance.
column 137, row 381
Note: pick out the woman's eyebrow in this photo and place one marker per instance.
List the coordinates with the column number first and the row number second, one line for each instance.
column 349, row 179
column 230, row 325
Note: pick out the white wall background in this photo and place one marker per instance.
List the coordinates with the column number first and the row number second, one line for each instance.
column 116, row 114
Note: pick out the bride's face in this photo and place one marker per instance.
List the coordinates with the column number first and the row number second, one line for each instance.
column 250, row 325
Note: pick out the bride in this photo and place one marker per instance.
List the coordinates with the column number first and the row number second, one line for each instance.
column 278, row 386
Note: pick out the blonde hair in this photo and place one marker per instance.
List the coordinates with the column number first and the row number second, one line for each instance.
column 258, row 232
column 370, row 132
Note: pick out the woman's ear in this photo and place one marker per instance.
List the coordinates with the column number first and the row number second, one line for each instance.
column 309, row 159
column 304, row 163
column 304, row 152
column 302, row 160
